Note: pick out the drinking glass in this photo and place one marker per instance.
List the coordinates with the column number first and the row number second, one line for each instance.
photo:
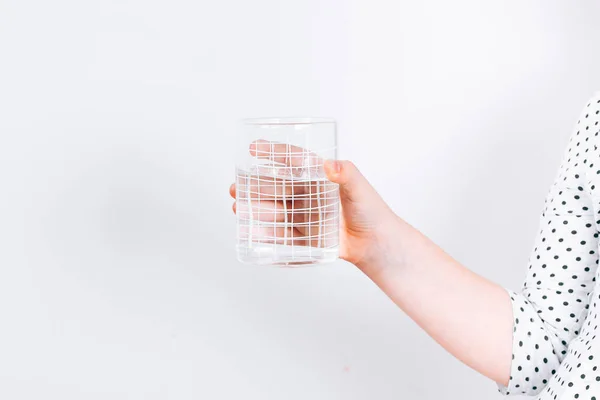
column 287, row 210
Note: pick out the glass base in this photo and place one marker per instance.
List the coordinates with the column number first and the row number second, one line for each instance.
column 286, row 256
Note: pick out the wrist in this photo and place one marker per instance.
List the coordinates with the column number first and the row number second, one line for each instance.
column 385, row 248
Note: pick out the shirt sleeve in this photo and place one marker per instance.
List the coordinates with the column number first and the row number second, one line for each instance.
column 549, row 310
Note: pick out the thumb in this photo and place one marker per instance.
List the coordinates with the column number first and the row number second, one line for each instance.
column 353, row 185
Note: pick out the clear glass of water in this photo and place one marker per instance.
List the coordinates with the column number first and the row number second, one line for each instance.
column 287, row 209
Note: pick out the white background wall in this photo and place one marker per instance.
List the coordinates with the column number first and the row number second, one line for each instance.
column 118, row 274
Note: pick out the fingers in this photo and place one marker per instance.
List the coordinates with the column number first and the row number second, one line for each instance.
column 286, row 236
column 267, row 188
column 270, row 234
column 288, row 203
column 353, row 185
column 265, row 211
column 283, row 153
column 332, row 169
column 300, row 215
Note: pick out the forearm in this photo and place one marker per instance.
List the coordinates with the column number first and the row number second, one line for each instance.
column 468, row 315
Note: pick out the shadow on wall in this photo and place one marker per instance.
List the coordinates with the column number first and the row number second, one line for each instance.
column 128, row 205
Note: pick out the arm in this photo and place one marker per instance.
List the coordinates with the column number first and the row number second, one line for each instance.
column 518, row 340
column 468, row 315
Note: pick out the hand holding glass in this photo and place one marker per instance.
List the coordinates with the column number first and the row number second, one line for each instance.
column 287, row 210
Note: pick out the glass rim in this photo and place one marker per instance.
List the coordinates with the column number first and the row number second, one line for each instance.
column 287, row 120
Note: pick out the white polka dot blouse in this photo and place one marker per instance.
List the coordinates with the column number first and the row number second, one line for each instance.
column 556, row 343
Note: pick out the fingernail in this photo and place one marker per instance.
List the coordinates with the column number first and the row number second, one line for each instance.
column 337, row 166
